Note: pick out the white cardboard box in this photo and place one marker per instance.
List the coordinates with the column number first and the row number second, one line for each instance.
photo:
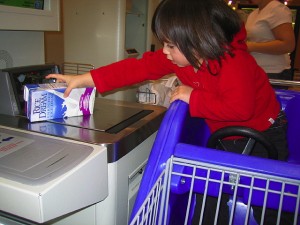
column 46, row 101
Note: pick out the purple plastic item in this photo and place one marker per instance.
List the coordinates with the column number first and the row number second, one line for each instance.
column 290, row 102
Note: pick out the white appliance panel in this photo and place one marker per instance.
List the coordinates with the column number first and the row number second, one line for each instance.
column 71, row 186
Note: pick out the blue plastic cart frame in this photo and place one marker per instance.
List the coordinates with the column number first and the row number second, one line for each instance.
column 182, row 139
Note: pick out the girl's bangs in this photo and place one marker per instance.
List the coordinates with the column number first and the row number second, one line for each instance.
column 163, row 30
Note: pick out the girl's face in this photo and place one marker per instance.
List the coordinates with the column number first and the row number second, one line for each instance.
column 173, row 54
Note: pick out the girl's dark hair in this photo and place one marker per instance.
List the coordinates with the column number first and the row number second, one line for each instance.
column 199, row 28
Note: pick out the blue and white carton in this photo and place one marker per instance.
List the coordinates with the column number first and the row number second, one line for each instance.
column 46, row 101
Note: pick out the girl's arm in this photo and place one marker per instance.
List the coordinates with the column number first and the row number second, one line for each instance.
column 73, row 81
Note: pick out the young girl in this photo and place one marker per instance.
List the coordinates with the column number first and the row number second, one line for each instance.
column 204, row 44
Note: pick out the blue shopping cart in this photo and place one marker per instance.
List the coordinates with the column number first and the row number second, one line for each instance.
column 180, row 169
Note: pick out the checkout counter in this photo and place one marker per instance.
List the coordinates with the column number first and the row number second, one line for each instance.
column 77, row 170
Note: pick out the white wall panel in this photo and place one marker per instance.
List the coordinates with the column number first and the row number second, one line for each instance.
column 21, row 48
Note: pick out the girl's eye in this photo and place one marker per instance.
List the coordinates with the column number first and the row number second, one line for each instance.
column 169, row 45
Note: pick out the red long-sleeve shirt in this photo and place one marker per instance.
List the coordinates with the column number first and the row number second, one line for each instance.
column 239, row 95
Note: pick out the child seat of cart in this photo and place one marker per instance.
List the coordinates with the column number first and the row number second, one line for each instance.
column 183, row 136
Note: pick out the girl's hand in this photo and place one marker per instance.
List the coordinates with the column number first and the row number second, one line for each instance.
column 181, row 92
column 73, row 81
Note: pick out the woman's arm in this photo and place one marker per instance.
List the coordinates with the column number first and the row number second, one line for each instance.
column 284, row 41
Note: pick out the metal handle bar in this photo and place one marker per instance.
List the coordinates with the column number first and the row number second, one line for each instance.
column 288, row 83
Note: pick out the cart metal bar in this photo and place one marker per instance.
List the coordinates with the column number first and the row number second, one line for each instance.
column 258, row 181
column 148, row 213
column 244, row 174
column 288, row 83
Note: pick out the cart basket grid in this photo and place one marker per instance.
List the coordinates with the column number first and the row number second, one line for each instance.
column 173, row 197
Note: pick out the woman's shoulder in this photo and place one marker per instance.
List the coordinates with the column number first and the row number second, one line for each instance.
column 277, row 13
column 276, row 6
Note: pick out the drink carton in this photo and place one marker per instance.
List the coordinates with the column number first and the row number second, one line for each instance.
column 46, row 101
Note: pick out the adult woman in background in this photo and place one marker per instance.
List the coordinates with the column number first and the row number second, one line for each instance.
column 270, row 38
